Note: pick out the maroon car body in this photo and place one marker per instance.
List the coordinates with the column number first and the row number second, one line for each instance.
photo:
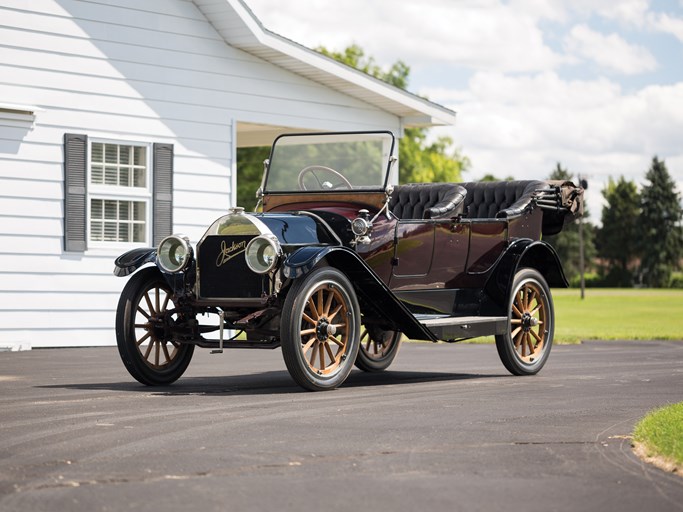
column 339, row 265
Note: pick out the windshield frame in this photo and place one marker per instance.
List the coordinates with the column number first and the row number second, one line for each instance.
column 390, row 159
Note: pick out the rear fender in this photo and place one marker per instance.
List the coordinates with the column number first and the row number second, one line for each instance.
column 524, row 253
column 374, row 296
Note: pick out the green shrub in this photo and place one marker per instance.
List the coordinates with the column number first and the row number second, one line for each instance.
column 591, row 280
column 676, row 280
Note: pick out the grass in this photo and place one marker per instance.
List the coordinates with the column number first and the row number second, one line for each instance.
column 613, row 314
column 658, row 437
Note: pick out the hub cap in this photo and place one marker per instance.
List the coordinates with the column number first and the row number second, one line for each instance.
column 528, row 321
column 325, row 329
column 150, row 326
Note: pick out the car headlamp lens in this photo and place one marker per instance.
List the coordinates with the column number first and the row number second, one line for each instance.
column 174, row 253
column 360, row 226
column 262, row 253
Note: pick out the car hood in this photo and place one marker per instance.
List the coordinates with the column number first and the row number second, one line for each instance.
column 291, row 229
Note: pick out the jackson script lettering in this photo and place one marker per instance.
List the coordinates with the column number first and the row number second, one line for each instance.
column 229, row 252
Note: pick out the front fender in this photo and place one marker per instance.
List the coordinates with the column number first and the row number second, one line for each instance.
column 132, row 260
column 524, row 253
column 374, row 296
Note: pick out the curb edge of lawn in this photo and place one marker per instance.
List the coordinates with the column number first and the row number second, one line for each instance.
column 664, row 463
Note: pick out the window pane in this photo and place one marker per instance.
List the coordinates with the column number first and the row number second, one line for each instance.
column 97, row 152
column 124, row 210
column 96, row 231
column 97, row 175
column 138, row 210
column 118, row 165
column 124, row 232
column 110, row 232
column 124, row 221
column 111, row 176
column 111, row 153
column 124, row 154
column 140, row 178
column 124, row 177
column 96, row 209
column 139, row 233
column 140, row 158
column 110, row 209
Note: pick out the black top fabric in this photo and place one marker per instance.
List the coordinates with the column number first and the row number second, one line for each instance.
column 427, row 200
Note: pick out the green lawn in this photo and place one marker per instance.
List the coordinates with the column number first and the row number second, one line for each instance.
column 611, row 314
column 660, row 434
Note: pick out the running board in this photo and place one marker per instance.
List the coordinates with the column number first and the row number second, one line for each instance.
column 453, row 328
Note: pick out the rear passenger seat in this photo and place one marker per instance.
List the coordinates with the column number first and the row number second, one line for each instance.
column 482, row 200
column 498, row 199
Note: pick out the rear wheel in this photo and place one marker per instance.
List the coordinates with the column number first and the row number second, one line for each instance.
column 526, row 345
column 143, row 320
column 378, row 349
column 320, row 329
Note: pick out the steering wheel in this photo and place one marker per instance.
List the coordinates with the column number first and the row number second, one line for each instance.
column 322, row 184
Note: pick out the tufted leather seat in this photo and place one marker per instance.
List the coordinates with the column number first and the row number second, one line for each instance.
column 498, row 198
column 427, row 200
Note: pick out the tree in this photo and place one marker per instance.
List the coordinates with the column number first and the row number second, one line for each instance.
column 566, row 242
column 491, row 177
column 249, row 172
column 661, row 235
column 419, row 161
column 617, row 239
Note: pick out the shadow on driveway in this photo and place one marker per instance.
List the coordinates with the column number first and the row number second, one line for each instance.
column 268, row 383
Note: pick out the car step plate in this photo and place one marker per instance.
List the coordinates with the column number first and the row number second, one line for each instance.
column 448, row 327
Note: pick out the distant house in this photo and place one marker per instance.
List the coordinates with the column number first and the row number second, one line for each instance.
column 119, row 123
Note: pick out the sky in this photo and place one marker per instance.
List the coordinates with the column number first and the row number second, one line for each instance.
column 596, row 85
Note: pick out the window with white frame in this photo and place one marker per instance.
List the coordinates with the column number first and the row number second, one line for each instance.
column 119, row 193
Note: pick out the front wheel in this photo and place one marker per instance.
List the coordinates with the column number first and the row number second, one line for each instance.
column 143, row 319
column 320, row 329
column 526, row 345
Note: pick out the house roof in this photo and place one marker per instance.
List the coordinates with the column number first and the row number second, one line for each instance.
column 241, row 29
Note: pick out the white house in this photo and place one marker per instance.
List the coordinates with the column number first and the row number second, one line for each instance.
column 119, row 123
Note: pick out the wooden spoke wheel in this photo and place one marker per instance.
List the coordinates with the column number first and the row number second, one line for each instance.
column 525, row 347
column 378, row 348
column 320, row 329
column 143, row 330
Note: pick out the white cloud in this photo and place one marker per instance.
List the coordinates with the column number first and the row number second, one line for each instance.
column 631, row 12
column 609, row 51
column 664, row 23
column 522, row 125
column 627, row 12
column 474, row 34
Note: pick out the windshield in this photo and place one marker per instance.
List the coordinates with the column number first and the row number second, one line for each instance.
column 330, row 162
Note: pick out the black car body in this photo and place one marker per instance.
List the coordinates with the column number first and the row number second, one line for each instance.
column 339, row 265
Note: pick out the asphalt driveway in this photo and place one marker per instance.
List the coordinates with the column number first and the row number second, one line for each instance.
column 446, row 428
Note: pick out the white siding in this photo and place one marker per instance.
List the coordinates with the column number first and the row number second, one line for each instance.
column 152, row 71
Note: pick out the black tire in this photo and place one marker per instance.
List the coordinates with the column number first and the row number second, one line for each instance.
column 526, row 345
column 320, row 329
column 148, row 354
column 378, row 349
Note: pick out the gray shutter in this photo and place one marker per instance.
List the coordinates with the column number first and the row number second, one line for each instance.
column 75, row 188
column 162, row 207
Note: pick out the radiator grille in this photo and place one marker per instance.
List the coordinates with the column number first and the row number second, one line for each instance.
column 223, row 271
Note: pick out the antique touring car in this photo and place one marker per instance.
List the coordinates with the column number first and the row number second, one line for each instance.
column 340, row 265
